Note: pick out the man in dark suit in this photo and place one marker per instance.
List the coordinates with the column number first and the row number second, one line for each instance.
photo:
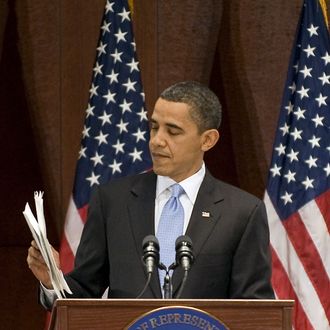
column 228, row 227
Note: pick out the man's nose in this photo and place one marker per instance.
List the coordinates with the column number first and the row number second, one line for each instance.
column 158, row 138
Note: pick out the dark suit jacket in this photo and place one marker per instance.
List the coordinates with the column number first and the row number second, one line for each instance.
column 231, row 246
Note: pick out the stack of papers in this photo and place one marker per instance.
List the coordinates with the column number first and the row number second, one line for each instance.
column 38, row 230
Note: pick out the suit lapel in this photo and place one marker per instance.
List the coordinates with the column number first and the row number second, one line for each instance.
column 141, row 217
column 206, row 213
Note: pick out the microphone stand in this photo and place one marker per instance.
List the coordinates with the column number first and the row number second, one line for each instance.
column 145, row 286
column 183, row 282
column 167, row 286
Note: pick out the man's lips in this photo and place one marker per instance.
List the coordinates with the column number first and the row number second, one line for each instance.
column 159, row 155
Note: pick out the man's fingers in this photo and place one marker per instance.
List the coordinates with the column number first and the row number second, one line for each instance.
column 34, row 244
column 35, row 255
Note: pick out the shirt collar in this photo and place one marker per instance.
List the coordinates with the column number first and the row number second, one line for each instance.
column 190, row 185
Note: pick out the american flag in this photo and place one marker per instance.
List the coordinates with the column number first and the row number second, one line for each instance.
column 116, row 133
column 298, row 196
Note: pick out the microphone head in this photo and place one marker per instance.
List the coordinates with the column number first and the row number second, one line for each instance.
column 150, row 239
column 150, row 246
column 184, row 251
column 183, row 240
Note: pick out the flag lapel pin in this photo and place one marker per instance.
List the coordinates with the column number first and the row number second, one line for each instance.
column 205, row 214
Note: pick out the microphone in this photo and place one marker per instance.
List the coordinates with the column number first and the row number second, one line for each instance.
column 150, row 246
column 150, row 258
column 184, row 257
column 184, row 252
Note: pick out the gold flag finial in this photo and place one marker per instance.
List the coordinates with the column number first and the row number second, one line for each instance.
column 131, row 6
column 324, row 10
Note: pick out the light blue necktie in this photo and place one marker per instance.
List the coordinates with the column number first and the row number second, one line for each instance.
column 169, row 228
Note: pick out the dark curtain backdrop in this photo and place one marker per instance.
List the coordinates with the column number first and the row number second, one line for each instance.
column 240, row 48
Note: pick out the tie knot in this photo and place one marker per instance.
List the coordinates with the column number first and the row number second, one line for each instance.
column 177, row 190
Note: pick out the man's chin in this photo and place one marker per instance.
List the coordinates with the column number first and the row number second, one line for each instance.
column 160, row 170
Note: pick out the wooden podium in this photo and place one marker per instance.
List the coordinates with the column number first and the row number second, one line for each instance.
column 120, row 313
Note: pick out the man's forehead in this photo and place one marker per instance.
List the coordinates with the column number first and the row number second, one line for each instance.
column 174, row 108
column 163, row 101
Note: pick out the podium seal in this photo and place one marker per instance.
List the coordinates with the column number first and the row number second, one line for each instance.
column 177, row 318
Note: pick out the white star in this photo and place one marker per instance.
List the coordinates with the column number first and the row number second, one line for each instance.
column 101, row 48
column 133, row 45
column 293, row 155
column 321, row 100
column 306, row 72
column 296, row 134
column 133, row 65
column 122, row 126
column 296, row 67
column 313, row 30
column 115, row 167
column 275, row 170
column 93, row 90
column 290, row 176
column 130, row 85
column 109, row 7
column 293, row 87
column 119, row 147
column 89, row 111
column 85, row 131
column 326, row 58
column 286, row 198
column 125, row 106
column 143, row 114
column 324, row 79
column 328, row 148
column 113, row 76
column 139, row 135
column 318, row 120
column 309, row 51
column 311, row 162
column 136, row 155
column 120, row 35
column 97, row 159
column 327, row 169
column 97, row 69
column 289, row 107
column 102, row 138
column 124, row 15
column 303, row 92
column 93, row 179
column 299, row 113
column 143, row 96
column 285, row 129
column 314, row 141
column 82, row 152
column 308, row 183
column 110, row 97
column 280, row 149
column 105, row 27
column 105, row 118
column 116, row 56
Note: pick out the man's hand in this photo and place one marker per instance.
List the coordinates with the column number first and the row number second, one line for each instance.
column 38, row 266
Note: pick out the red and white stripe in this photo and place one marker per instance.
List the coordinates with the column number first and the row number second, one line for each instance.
column 301, row 261
column 73, row 227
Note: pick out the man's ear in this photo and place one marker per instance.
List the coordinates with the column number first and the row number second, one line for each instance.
column 209, row 139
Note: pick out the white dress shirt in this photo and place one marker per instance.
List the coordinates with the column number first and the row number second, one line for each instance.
column 191, row 187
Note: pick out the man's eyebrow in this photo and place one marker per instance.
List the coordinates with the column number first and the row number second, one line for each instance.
column 169, row 125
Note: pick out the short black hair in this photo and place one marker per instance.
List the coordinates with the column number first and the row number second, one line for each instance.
column 205, row 107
